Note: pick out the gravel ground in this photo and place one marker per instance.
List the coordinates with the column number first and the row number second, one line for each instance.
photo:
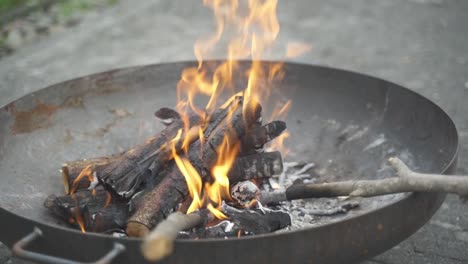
column 421, row 44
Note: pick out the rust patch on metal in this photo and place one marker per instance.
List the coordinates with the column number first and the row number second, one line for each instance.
column 100, row 132
column 36, row 118
column 120, row 113
column 73, row 102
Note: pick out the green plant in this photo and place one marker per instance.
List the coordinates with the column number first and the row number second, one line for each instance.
column 7, row 5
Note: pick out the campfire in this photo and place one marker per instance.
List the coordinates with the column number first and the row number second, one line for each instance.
column 217, row 169
column 209, row 159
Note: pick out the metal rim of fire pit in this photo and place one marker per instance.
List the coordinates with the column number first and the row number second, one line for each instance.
column 431, row 202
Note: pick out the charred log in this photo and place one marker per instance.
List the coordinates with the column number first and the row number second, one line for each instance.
column 241, row 223
column 256, row 166
column 125, row 175
column 71, row 170
column 257, row 221
column 85, row 207
column 167, row 115
column 260, row 135
column 105, row 219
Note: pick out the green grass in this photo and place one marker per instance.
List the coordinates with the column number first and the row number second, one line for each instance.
column 69, row 7
column 7, row 5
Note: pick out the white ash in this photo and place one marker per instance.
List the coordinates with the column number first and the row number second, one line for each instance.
column 309, row 212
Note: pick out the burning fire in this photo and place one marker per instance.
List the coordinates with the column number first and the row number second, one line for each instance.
column 77, row 215
column 253, row 27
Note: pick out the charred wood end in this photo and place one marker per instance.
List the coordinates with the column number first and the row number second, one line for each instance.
column 256, row 166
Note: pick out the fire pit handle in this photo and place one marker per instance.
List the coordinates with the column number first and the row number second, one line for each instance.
column 19, row 250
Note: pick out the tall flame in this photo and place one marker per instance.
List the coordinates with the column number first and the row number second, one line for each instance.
column 245, row 30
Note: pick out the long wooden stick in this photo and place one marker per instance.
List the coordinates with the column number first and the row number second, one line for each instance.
column 406, row 181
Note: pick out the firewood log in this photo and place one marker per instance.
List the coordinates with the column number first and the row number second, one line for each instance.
column 125, row 176
column 110, row 217
column 260, row 135
column 86, row 203
column 72, row 169
column 123, row 173
column 256, row 166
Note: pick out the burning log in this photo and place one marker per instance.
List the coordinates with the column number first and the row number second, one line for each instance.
column 167, row 115
column 159, row 243
column 84, row 208
column 159, row 201
column 64, row 206
column 406, row 181
column 256, row 166
column 72, row 170
column 126, row 175
column 260, row 135
column 111, row 217
column 123, row 173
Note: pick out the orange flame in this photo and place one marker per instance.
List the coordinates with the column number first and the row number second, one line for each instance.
column 219, row 189
column 253, row 28
column 85, row 173
column 193, row 179
column 77, row 217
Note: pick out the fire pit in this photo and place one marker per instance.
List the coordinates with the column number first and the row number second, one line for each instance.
column 347, row 124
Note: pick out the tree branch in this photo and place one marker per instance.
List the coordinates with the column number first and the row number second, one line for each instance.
column 406, row 181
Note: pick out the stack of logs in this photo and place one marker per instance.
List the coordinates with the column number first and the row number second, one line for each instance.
column 131, row 192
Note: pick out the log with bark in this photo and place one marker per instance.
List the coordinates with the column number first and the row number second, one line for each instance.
column 172, row 189
column 72, row 170
column 123, row 173
column 125, row 176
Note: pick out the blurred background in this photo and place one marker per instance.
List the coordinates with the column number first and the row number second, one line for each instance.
column 420, row 44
